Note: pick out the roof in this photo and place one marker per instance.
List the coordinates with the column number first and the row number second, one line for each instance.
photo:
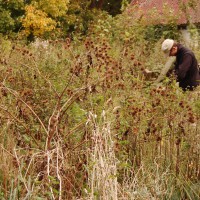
column 184, row 11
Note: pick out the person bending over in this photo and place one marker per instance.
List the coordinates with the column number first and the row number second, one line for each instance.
column 186, row 66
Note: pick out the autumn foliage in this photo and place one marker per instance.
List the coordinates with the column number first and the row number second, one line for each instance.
column 37, row 22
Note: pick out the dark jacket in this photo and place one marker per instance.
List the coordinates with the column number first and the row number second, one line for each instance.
column 186, row 68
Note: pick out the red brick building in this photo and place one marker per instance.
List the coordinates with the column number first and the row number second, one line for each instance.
column 186, row 11
column 162, row 11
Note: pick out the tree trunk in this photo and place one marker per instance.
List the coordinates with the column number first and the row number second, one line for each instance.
column 97, row 4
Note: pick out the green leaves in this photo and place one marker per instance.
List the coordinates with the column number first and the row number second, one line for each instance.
column 6, row 21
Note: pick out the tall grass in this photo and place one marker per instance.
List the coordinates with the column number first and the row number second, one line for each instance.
column 102, row 161
column 82, row 121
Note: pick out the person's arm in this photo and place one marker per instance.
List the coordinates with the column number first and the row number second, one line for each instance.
column 168, row 66
column 184, row 67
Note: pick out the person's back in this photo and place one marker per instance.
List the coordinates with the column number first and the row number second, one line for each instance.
column 186, row 65
column 186, row 68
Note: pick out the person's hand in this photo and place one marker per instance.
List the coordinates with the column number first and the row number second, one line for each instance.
column 149, row 75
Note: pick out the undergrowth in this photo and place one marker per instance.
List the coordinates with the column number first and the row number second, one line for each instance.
column 81, row 120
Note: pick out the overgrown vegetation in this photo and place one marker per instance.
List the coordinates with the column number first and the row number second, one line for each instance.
column 80, row 119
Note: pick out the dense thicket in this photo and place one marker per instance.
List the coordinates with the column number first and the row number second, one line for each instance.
column 80, row 117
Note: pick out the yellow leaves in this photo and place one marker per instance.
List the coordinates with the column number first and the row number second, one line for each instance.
column 37, row 22
column 55, row 8
column 38, row 16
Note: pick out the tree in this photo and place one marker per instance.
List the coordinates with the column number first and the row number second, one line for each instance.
column 41, row 16
column 36, row 22
column 54, row 8
column 37, row 17
column 6, row 21
column 113, row 7
column 97, row 4
column 10, row 12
